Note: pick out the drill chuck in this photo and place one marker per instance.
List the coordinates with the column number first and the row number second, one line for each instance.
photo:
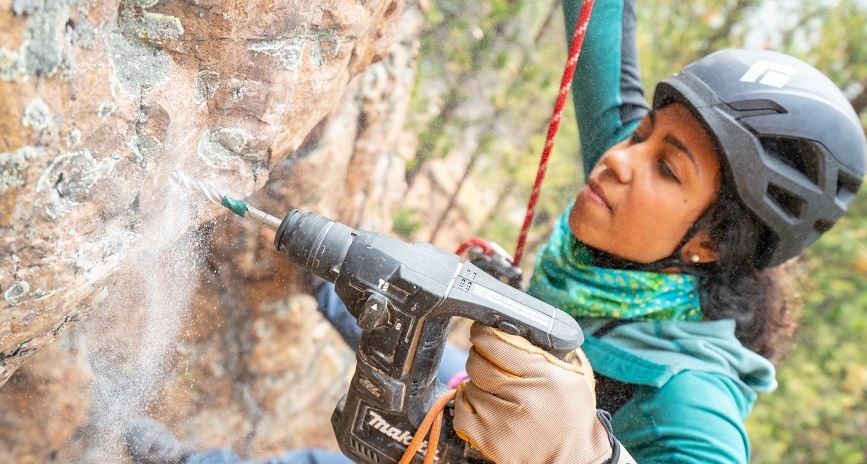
column 314, row 242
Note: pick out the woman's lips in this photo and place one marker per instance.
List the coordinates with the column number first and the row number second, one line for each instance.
column 595, row 194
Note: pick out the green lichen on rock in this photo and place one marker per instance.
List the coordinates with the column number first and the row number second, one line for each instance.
column 24, row 7
column 138, row 63
column 324, row 45
column 144, row 148
column 135, row 22
column 67, row 180
column 82, row 32
column 12, row 167
column 10, row 65
column 41, row 51
column 16, row 291
column 218, row 146
column 106, row 109
column 207, row 82
column 288, row 52
column 72, row 137
column 149, row 27
column 140, row 3
column 37, row 115
column 136, row 68
column 159, row 27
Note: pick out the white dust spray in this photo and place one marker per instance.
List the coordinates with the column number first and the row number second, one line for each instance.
column 130, row 349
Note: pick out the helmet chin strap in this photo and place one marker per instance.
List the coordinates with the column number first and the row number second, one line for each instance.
column 675, row 260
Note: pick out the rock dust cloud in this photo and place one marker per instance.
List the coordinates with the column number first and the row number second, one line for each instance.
column 131, row 342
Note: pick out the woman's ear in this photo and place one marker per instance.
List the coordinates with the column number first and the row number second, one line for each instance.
column 700, row 249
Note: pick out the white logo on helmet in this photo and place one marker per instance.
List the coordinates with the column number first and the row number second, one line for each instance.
column 769, row 73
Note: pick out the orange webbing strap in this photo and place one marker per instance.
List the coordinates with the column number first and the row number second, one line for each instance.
column 433, row 421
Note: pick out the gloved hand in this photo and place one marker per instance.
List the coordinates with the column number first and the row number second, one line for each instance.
column 524, row 405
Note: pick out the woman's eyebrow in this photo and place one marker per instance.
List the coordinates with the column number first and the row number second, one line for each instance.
column 677, row 143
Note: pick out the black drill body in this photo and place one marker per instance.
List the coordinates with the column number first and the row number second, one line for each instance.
column 404, row 297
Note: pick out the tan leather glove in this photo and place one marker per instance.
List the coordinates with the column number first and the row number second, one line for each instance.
column 524, row 405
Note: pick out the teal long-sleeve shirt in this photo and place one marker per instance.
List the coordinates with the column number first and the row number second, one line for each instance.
column 695, row 383
column 606, row 88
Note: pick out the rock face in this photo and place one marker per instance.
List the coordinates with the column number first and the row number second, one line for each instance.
column 101, row 100
column 183, row 313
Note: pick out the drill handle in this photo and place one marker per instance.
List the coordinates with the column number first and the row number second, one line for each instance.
column 480, row 297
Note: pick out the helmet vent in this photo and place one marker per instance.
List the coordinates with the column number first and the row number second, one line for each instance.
column 823, row 226
column 799, row 154
column 790, row 204
column 847, row 187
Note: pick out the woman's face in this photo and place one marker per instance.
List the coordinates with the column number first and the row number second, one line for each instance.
column 646, row 192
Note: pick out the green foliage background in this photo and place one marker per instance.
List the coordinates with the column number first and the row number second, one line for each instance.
column 488, row 77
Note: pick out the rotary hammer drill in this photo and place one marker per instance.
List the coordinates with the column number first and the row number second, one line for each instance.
column 404, row 297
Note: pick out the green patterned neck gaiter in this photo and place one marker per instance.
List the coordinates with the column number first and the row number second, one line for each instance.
column 565, row 278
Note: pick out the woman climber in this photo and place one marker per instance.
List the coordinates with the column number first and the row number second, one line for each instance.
column 671, row 258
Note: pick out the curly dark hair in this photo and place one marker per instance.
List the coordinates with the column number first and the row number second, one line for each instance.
column 763, row 302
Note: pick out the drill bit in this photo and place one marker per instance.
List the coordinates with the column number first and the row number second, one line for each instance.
column 238, row 207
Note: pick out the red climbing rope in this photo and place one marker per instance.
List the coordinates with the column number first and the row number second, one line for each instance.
column 560, row 104
column 475, row 242
column 574, row 51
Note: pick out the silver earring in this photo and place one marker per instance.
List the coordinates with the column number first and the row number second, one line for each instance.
column 695, row 258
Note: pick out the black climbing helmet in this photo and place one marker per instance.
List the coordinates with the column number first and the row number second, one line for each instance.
column 787, row 135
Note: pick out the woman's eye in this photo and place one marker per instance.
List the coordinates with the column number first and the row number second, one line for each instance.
column 666, row 171
column 636, row 138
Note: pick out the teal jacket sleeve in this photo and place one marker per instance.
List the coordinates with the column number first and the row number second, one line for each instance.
column 674, row 424
column 606, row 89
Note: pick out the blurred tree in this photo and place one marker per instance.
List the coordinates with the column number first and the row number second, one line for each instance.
column 818, row 414
column 480, row 65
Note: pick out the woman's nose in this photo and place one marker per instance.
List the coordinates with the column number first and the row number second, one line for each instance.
column 620, row 162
